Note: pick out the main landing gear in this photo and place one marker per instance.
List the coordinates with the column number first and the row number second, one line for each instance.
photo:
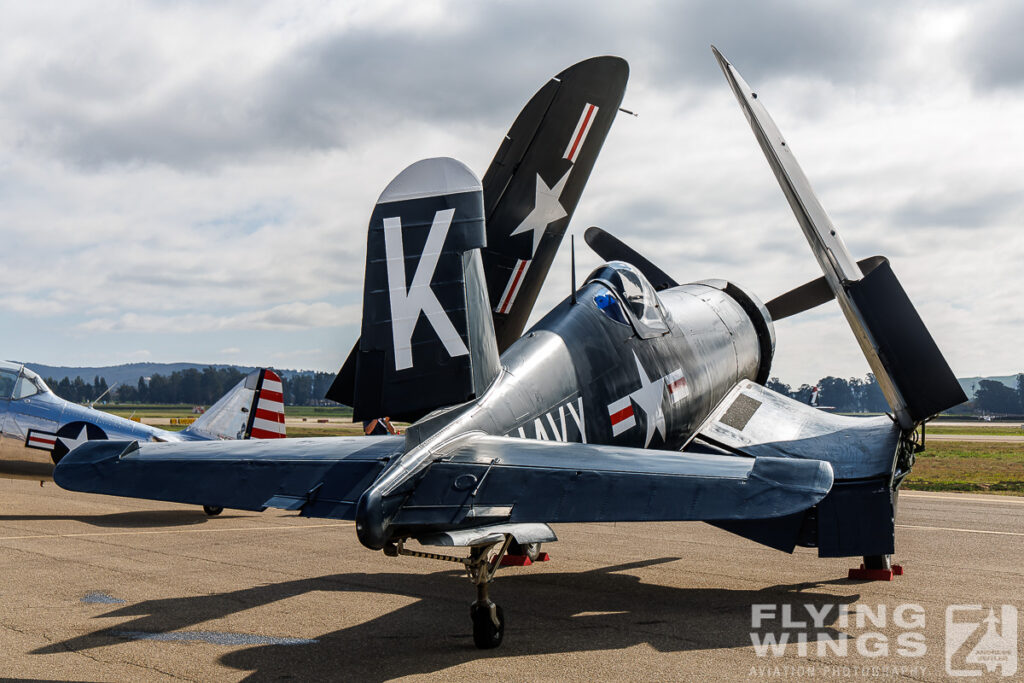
column 212, row 510
column 481, row 565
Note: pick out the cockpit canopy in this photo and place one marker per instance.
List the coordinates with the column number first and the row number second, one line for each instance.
column 17, row 382
column 628, row 294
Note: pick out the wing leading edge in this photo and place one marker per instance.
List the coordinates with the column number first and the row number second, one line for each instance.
column 322, row 477
column 479, row 480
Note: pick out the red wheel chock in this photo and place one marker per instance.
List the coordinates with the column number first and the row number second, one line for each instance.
column 863, row 574
column 523, row 560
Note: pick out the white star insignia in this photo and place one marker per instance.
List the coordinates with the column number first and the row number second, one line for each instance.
column 546, row 210
column 74, row 443
column 648, row 397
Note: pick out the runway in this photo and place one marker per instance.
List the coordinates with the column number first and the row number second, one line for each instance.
column 990, row 438
column 109, row 589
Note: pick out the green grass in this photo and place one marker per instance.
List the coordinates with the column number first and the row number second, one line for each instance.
column 981, row 429
column 969, row 466
column 319, row 411
column 147, row 410
column 185, row 410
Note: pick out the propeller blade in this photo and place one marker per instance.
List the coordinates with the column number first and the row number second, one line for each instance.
column 611, row 248
column 814, row 293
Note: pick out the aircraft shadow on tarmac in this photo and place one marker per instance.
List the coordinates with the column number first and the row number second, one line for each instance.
column 549, row 613
column 136, row 519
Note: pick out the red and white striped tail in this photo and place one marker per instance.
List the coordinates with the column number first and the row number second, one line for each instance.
column 268, row 415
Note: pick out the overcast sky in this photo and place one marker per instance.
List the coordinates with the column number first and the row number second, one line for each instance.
column 192, row 181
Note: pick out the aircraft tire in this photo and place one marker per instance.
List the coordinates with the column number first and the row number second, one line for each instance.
column 486, row 635
column 531, row 550
column 212, row 510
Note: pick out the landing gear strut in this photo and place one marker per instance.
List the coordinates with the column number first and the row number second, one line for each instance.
column 883, row 562
column 481, row 565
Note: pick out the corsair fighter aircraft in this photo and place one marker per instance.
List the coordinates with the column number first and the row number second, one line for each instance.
column 634, row 399
column 38, row 428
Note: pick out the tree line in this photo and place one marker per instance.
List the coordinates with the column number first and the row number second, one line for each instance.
column 995, row 398
column 857, row 395
column 196, row 387
column 854, row 395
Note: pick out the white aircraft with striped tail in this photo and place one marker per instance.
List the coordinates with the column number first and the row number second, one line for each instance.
column 38, row 428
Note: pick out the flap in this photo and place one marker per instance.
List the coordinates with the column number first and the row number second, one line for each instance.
column 486, row 535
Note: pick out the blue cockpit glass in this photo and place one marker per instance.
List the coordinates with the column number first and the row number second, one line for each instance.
column 634, row 299
column 609, row 305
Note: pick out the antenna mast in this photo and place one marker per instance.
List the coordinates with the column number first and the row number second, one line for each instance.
column 572, row 267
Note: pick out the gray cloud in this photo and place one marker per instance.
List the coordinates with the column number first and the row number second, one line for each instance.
column 957, row 212
column 992, row 51
column 210, row 170
column 126, row 104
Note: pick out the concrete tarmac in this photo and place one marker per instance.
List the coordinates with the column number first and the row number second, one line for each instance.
column 108, row 589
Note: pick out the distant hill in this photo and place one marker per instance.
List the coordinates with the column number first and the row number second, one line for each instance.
column 970, row 384
column 130, row 373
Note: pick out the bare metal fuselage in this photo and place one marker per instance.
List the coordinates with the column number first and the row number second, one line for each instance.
column 580, row 375
column 44, row 413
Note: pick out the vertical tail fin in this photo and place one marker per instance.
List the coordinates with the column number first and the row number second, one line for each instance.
column 427, row 336
column 266, row 419
column 254, row 408
column 531, row 190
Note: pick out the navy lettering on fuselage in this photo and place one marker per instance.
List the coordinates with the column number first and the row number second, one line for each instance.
column 566, row 423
